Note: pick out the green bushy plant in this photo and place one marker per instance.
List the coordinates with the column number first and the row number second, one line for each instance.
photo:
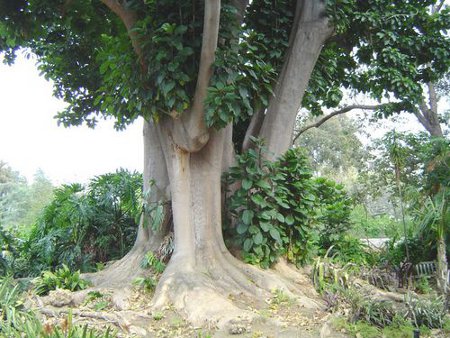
column 8, row 251
column 273, row 209
column 395, row 252
column 350, row 249
column 326, row 275
column 334, row 211
column 16, row 321
column 150, row 261
column 62, row 278
column 430, row 312
column 280, row 210
column 85, row 224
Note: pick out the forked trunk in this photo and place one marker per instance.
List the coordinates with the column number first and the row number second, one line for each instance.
column 196, row 199
column 202, row 276
column 310, row 31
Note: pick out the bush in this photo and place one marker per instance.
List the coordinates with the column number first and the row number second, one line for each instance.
column 280, row 210
column 85, row 224
column 429, row 312
column 334, row 211
column 351, row 249
column 273, row 210
column 16, row 321
column 8, row 251
column 395, row 252
column 62, row 278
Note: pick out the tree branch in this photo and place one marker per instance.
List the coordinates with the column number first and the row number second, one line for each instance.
column 310, row 30
column 428, row 116
column 420, row 114
column 209, row 46
column 191, row 131
column 433, row 97
column 253, row 129
column 337, row 112
column 129, row 19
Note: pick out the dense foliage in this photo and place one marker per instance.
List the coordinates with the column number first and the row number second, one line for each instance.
column 280, row 210
column 380, row 48
column 82, row 225
column 17, row 321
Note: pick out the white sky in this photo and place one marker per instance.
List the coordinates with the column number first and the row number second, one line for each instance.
column 30, row 137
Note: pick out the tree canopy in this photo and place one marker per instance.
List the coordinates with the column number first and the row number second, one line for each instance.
column 148, row 67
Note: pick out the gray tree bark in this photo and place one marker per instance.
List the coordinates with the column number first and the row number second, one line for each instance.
column 311, row 30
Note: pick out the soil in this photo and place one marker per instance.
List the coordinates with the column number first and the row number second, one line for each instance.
column 128, row 313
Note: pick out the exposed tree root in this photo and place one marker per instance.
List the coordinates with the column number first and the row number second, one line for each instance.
column 223, row 290
column 122, row 272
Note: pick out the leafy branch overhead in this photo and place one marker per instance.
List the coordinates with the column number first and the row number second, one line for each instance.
column 383, row 48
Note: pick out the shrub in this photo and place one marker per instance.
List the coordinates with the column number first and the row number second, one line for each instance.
column 350, row 249
column 327, row 276
column 334, row 211
column 150, row 261
column 62, row 278
column 8, row 251
column 273, row 210
column 429, row 312
column 16, row 321
column 278, row 208
column 395, row 252
column 85, row 224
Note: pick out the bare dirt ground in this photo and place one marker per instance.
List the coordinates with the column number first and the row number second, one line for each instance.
column 128, row 313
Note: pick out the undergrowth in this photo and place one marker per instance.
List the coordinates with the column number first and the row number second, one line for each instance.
column 16, row 321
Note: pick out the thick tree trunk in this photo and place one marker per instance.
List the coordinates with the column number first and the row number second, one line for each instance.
column 156, row 188
column 311, row 30
column 202, row 276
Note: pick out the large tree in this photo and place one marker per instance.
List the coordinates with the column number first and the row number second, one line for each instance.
column 206, row 76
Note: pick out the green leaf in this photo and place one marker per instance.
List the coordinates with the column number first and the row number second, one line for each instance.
column 248, row 243
column 259, row 200
column 253, row 229
column 280, row 217
column 265, row 226
column 241, row 228
column 247, row 216
column 258, row 238
column 263, row 184
column 289, row 219
column 167, row 87
column 246, row 184
column 274, row 233
column 243, row 92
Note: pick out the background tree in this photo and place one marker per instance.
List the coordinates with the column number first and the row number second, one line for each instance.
column 192, row 69
column 14, row 196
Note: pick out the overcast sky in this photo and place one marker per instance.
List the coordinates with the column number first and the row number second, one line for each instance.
column 30, row 137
